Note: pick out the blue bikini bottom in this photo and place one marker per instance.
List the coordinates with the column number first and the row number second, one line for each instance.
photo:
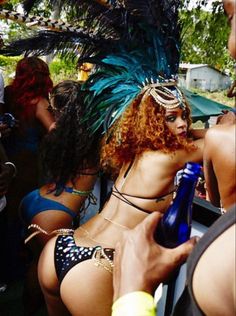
column 34, row 203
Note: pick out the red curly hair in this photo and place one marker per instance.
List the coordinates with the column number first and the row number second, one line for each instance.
column 142, row 127
column 32, row 82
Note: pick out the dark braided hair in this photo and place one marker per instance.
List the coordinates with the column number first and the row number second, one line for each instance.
column 69, row 148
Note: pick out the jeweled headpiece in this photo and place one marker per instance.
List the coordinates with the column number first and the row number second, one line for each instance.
column 166, row 94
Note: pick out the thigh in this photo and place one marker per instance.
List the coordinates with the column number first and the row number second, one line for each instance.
column 87, row 290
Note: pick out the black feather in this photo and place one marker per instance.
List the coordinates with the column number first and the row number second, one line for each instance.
column 29, row 4
column 67, row 44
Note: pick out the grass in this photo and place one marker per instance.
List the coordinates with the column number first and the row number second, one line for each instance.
column 218, row 96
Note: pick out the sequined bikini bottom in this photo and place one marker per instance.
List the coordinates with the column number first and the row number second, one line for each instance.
column 68, row 254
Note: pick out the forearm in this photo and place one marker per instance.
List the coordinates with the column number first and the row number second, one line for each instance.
column 211, row 183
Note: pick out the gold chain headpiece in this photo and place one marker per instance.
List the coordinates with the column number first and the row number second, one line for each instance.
column 163, row 95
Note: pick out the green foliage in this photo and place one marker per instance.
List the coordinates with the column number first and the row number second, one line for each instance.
column 16, row 29
column 8, row 61
column 218, row 96
column 42, row 7
column 204, row 36
column 8, row 64
column 61, row 70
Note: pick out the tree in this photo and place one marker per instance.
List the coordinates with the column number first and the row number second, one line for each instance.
column 204, row 35
column 204, row 30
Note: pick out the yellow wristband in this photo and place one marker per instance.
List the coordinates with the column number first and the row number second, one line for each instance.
column 134, row 304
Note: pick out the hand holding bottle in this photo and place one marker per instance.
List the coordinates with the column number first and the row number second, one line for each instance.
column 140, row 264
column 175, row 226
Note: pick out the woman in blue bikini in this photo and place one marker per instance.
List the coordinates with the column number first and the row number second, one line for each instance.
column 70, row 169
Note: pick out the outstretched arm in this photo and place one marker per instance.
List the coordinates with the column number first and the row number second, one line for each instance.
column 141, row 265
column 209, row 174
column 232, row 92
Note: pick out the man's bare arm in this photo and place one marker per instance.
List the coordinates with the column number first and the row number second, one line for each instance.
column 209, row 174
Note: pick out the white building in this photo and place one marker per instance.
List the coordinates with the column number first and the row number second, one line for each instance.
column 203, row 76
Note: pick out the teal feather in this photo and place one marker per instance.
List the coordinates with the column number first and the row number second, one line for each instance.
column 149, row 51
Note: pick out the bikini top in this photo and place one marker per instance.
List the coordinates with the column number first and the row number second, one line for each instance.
column 91, row 198
column 67, row 254
column 123, row 196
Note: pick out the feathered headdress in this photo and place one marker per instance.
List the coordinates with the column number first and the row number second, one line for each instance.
column 134, row 44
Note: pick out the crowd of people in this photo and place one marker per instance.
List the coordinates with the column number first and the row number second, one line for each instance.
column 57, row 147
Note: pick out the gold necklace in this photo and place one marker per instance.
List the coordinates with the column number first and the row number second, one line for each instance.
column 113, row 222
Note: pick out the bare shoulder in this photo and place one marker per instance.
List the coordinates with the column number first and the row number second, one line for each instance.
column 219, row 131
column 42, row 106
column 159, row 162
column 174, row 161
column 42, row 102
column 42, row 113
column 220, row 134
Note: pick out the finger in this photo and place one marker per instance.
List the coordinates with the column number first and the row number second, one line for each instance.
column 182, row 252
column 117, row 246
column 118, row 249
column 150, row 222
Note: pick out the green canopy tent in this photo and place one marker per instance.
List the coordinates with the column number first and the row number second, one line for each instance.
column 202, row 108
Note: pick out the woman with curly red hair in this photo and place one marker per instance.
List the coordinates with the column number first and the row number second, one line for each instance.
column 147, row 145
column 26, row 98
column 143, row 128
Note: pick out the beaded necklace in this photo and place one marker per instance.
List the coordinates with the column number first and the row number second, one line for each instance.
column 113, row 222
